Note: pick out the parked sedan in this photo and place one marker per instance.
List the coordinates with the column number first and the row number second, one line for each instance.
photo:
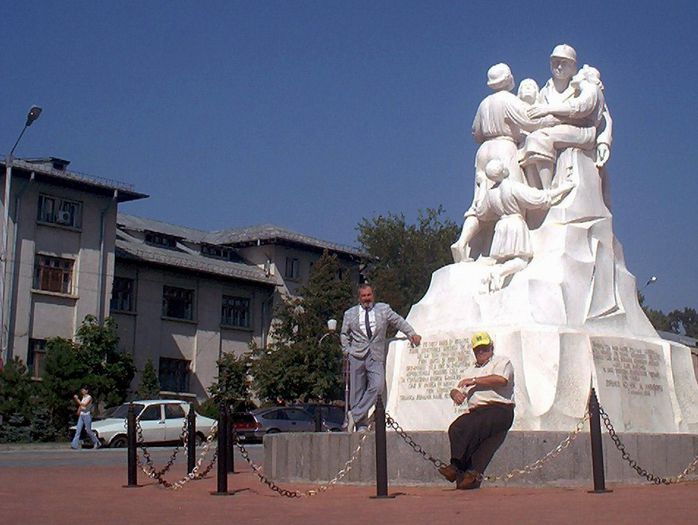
column 161, row 420
column 332, row 415
column 252, row 426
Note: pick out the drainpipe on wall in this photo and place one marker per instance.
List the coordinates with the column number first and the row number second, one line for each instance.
column 102, row 258
column 12, row 280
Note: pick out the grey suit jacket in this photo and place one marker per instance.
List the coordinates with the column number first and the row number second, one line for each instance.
column 356, row 343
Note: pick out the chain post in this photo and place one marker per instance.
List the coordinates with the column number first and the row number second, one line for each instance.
column 596, row 445
column 318, row 419
column 230, row 434
column 222, row 477
column 191, row 439
column 131, row 453
column 381, row 451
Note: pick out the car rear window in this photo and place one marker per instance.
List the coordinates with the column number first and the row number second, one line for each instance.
column 122, row 410
column 174, row 412
column 242, row 418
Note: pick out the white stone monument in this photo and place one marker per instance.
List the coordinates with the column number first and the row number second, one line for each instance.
column 569, row 317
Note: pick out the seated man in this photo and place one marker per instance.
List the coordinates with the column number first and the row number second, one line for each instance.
column 488, row 389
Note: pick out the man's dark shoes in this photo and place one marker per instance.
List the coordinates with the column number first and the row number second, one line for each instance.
column 450, row 472
column 469, row 480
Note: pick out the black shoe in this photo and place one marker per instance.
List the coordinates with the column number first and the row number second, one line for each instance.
column 450, row 472
column 470, row 480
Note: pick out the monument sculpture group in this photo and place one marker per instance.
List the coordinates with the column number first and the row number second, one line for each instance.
column 537, row 265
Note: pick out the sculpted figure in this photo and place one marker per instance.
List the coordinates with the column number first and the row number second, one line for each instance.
column 577, row 98
column 528, row 91
column 498, row 127
column 506, row 202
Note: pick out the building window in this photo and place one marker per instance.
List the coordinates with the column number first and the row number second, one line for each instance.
column 54, row 210
column 160, row 239
column 53, row 274
column 292, row 268
column 174, row 374
column 220, row 252
column 235, row 311
column 177, row 302
column 36, row 358
column 122, row 295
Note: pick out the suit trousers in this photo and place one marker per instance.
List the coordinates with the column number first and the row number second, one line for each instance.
column 476, row 436
column 366, row 381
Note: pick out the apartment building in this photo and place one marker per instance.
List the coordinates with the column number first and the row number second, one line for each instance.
column 59, row 263
column 183, row 297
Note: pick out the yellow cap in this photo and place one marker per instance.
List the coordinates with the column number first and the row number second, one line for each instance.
column 481, row 339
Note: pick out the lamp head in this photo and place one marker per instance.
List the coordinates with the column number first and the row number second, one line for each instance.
column 33, row 114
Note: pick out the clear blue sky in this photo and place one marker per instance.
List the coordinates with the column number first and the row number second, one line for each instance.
column 312, row 115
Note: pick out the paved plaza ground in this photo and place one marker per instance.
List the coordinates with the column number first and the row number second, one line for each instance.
column 94, row 494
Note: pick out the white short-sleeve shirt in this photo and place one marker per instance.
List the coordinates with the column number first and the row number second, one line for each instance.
column 479, row 395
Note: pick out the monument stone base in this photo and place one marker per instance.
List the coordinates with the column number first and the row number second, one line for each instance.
column 318, row 457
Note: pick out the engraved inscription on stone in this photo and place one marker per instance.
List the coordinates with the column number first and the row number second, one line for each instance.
column 434, row 368
column 637, row 371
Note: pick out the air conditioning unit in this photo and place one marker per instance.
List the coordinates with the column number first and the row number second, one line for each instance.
column 64, row 217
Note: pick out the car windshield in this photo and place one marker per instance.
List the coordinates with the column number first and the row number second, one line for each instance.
column 122, row 411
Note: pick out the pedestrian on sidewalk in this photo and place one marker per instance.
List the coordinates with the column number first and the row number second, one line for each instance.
column 85, row 404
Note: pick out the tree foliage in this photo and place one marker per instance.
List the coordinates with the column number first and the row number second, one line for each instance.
column 294, row 366
column 92, row 360
column 150, row 383
column 406, row 254
column 232, row 384
column 18, row 400
column 677, row 321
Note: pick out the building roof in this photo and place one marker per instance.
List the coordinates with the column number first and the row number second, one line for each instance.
column 270, row 234
column 139, row 251
column 683, row 339
column 52, row 170
column 140, row 224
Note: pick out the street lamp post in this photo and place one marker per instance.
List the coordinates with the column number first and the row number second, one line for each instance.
column 651, row 280
column 332, row 330
column 32, row 115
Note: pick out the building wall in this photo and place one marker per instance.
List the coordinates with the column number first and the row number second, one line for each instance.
column 36, row 314
column 147, row 333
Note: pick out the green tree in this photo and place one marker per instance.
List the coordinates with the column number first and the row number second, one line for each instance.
column 92, row 360
column 18, row 400
column 150, row 383
column 406, row 254
column 294, row 366
column 684, row 321
column 232, row 384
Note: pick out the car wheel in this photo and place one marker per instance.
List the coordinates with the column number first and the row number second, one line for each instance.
column 119, row 442
column 273, row 431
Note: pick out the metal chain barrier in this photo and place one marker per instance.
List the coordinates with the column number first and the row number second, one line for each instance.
column 197, row 472
column 412, row 443
column 296, row 493
column 146, row 454
column 516, row 472
column 657, row 480
column 537, row 465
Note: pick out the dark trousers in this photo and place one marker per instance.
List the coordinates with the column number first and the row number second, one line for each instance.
column 477, row 435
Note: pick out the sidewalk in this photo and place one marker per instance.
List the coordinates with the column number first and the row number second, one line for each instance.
column 65, row 495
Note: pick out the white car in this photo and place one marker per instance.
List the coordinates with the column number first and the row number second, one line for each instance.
column 162, row 421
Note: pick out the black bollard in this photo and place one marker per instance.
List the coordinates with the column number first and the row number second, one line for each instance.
column 318, row 419
column 381, row 451
column 191, row 439
column 596, row 445
column 222, row 467
column 231, row 442
column 131, row 451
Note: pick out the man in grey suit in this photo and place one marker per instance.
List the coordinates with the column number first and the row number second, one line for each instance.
column 364, row 340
